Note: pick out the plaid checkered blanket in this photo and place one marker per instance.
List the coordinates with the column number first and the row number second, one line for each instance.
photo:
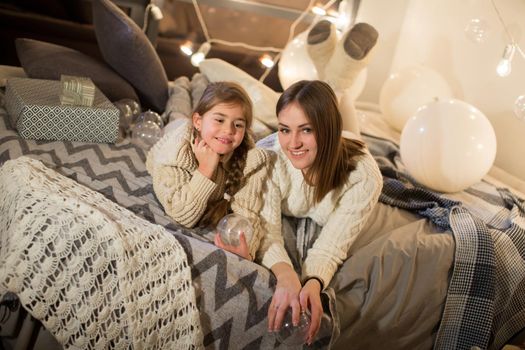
column 485, row 304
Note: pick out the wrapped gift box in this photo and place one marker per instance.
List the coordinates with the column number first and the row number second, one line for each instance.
column 34, row 109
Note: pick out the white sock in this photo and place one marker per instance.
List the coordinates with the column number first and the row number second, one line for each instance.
column 321, row 43
column 351, row 55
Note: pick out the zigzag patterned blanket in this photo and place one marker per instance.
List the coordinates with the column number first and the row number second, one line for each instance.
column 232, row 294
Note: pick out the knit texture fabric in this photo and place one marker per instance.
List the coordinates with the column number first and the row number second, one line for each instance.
column 93, row 273
column 341, row 213
column 185, row 193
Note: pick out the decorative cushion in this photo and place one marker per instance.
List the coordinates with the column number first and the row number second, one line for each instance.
column 129, row 52
column 264, row 99
column 42, row 60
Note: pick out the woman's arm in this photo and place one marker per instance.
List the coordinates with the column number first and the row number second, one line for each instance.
column 286, row 295
column 345, row 222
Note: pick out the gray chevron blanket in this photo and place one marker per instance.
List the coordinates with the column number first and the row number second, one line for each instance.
column 232, row 294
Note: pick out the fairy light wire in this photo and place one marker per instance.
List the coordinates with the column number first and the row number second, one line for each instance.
column 279, row 51
column 507, row 31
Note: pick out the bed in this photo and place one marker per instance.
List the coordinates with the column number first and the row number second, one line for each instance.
column 408, row 283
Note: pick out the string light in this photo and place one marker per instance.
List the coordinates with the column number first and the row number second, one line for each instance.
column 155, row 11
column 200, row 55
column 319, row 10
column 268, row 62
column 187, row 47
column 505, row 64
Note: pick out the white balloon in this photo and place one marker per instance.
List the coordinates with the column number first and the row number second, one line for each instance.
column 448, row 145
column 295, row 64
column 404, row 92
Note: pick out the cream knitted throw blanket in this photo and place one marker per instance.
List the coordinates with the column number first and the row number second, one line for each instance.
column 93, row 273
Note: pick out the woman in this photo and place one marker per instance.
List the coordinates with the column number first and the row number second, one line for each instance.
column 319, row 175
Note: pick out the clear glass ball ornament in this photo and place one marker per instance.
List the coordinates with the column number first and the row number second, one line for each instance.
column 128, row 111
column 145, row 134
column 519, row 107
column 293, row 335
column 150, row 116
column 477, row 30
column 230, row 228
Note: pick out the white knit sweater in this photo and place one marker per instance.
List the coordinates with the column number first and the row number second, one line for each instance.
column 342, row 214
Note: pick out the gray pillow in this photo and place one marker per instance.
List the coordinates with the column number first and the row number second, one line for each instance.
column 42, row 60
column 129, row 52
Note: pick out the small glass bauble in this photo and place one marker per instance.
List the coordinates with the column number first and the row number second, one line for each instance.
column 145, row 134
column 294, row 335
column 128, row 110
column 477, row 30
column 230, row 228
column 519, row 107
column 150, row 116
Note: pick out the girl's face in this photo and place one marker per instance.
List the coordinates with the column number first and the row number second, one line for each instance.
column 297, row 137
column 222, row 127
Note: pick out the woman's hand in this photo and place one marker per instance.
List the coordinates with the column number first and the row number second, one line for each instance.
column 286, row 295
column 242, row 249
column 310, row 298
column 207, row 158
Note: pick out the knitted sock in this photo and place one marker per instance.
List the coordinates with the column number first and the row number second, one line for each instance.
column 350, row 56
column 321, row 44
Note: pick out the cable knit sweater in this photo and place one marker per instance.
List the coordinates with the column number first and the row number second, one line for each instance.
column 341, row 213
column 185, row 193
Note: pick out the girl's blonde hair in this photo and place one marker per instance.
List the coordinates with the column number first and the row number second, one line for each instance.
column 229, row 93
column 336, row 156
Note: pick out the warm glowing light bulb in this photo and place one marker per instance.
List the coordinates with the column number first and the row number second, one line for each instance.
column 187, row 47
column 504, row 66
column 156, row 12
column 266, row 60
column 200, row 55
column 318, row 10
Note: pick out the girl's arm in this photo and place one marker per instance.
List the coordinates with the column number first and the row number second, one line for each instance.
column 183, row 194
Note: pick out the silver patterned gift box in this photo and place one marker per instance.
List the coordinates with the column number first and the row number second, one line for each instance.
column 34, row 109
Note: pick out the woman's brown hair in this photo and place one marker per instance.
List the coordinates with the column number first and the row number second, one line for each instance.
column 228, row 93
column 336, row 156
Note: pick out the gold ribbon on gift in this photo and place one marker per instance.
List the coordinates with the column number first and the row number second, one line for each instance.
column 77, row 91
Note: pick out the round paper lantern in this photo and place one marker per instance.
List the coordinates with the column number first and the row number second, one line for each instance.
column 448, row 145
column 404, row 92
column 295, row 64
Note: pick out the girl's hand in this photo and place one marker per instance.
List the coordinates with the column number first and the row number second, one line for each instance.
column 207, row 158
column 286, row 295
column 241, row 250
column 310, row 298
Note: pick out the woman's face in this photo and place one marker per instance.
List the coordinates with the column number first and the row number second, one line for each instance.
column 222, row 127
column 297, row 137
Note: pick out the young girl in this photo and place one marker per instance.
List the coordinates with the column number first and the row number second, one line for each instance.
column 209, row 167
column 322, row 176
